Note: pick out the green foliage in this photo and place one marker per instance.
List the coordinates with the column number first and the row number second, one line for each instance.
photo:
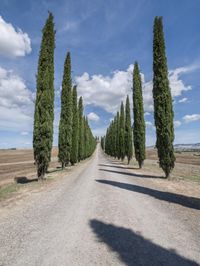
column 117, row 136
column 81, row 130
column 65, row 126
column 89, row 140
column 122, row 133
column 44, row 104
column 138, row 113
column 74, row 148
column 128, row 132
column 103, row 143
column 163, row 109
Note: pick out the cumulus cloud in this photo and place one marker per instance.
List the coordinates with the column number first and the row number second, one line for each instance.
column 191, row 118
column 93, row 117
column 183, row 100
column 149, row 124
column 108, row 91
column 177, row 85
column 24, row 133
column 13, row 42
column 105, row 91
column 16, row 103
column 177, row 123
column 147, row 113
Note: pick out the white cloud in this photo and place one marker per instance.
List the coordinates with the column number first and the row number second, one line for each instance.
column 99, row 131
column 108, row 91
column 191, row 118
column 13, row 42
column 149, row 125
column 16, row 103
column 105, row 91
column 93, row 117
column 147, row 113
column 24, row 133
column 183, row 100
column 177, row 123
column 177, row 85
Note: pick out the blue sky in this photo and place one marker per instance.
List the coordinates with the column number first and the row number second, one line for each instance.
column 104, row 38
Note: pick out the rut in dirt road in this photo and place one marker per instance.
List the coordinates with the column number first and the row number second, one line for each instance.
column 96, row 216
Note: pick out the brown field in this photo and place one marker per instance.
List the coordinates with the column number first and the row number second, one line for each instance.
column 187, row 165
column 186, row 157
column 18, row 163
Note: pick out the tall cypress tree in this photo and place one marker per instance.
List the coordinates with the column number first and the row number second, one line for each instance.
column 44, row 104
column 138, row 112
column 128, row 132
column 81, row 130
column 65, row 126
column 74, row 148
column 84, row 137
column 163, row 109
column 121, row 133
column 117, row 136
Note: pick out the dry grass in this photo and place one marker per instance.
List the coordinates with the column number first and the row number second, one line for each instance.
column 187, row 165
column 16, row 163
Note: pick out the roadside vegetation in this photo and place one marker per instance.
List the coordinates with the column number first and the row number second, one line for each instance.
column 75, row 141
column 163, row 113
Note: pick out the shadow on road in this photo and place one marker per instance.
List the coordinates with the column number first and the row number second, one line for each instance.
column 118, row 166
column 58, row 168
column 134, row 249
column 131, row 174
column 189, row 202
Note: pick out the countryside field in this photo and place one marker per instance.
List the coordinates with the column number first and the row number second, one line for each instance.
column 19, row 163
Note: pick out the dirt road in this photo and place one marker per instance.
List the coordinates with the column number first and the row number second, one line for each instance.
column 102, row 214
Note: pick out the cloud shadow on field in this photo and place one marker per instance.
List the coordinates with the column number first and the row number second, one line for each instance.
column 133, row 249
column 131, row 174
column 189, row 202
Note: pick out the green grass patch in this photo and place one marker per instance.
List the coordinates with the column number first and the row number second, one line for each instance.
column 6, row 190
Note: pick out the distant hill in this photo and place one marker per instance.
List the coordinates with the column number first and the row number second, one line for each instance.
column 183, row 147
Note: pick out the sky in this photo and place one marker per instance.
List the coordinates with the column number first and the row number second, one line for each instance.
column 105, row 38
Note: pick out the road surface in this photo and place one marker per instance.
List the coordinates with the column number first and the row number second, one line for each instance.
column 102, row 214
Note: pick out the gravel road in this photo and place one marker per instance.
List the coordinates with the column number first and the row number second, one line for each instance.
column 102, row 214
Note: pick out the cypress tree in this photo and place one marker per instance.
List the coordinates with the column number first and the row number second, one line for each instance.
column 103, row 143
column 44, row 104
column 65, row 126
column 138, row 113
column 84, row 138
column 81, row 129
column 117, row 136
column 121, row 133
column 128, row 132
column 163, row 109
column 74, row 148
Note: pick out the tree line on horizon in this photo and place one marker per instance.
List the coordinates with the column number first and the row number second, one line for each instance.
column 75, row 140
column 121, row 137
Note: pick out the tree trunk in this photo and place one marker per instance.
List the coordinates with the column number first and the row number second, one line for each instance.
column 141, row 164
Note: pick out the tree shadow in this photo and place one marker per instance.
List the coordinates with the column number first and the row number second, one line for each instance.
column 121, row 167
column 58, row 169
column 189, row 202
column 131, row 174
column 134, row 249
column 24, row 180
column 116, row 162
